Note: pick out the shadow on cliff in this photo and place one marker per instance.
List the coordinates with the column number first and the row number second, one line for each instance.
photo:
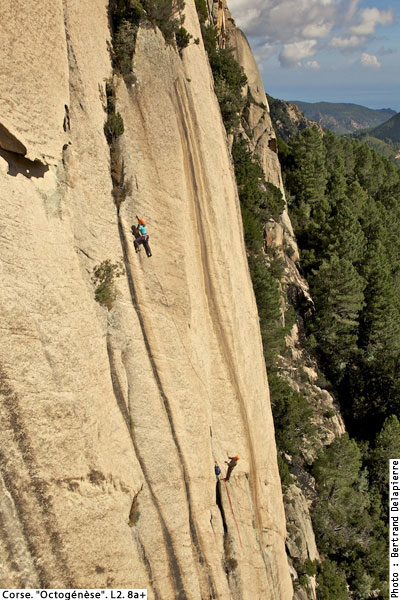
column 18, row 164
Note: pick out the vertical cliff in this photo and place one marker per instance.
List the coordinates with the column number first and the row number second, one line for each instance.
column 112, row 419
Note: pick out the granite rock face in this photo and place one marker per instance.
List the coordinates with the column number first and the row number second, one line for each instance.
column 112, row 420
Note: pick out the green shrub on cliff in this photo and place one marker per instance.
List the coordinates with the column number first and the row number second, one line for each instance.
column 114, row 125
column 292, row 415
column 126, row 16
column 130, row 11
column 258, row 202
column 103, row 277
column 202, row 10
column 167, row 15
column 124, row 48
column 229, row 78
column 183, row 37
column 263, row 198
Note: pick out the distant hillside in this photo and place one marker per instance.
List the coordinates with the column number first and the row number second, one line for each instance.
column 387, row 148
column 390, row 130
column 287, row 119
column 344, row 118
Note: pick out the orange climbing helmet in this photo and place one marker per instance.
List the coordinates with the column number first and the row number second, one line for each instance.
column 142, row 221
column 237, row 457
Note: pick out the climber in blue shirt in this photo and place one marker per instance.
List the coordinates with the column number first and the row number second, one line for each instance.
column 143, row 237
column 142, row 227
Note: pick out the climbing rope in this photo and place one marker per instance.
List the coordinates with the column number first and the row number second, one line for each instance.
column 230, row 503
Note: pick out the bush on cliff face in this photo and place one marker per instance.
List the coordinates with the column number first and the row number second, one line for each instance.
column 258, row 204
column 292, row 414
column 182, row 38
column 126, row 17
column 166, row 15
column 113, row 129
column 202, row 10
column 103, row 277
column 124, row 48
column 229, row 79
column 126, row 10
column 114, row 125
column 263, row 198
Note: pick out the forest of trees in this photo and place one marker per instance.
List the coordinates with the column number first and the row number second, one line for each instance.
column 344, row 202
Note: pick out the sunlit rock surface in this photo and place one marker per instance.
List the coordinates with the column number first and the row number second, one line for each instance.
column 102, row 408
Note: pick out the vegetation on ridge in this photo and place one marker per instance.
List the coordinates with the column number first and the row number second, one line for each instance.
column 344, row 202
column 229, row 78
column 385, row 138
column 286, row 118
column 126, row 17
column 343, row 117
column 390, row 130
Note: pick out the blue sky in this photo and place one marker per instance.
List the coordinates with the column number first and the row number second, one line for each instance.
column 331, row 50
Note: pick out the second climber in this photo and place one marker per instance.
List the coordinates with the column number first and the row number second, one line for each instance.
column 233, row 460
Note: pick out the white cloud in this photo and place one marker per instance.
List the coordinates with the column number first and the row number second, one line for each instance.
column 354, row 41
column 281, row 24
column 247, row 16
column 264, row 51
column 292, row 54
column 317, row 30
column 313, row 64
column 351, row 11
column 370, row 18
column 285, row 21
column 369, row 60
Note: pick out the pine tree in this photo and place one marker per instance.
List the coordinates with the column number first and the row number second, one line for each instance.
column 268, row 296
column 337, row 290
column 380, row 318
column 307, row 181
column 331, row 582
column 347, row 238
column 387, row 445
column 358, row 199
column 340, row 515
column 363, row 168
